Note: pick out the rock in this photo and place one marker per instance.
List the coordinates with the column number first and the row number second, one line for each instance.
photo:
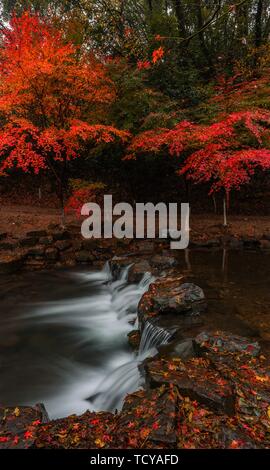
column 62, row 245
column 8, row 246
column 235, row 439
column 163, row 262
column 146, row 246
column 61, row 235
column 265, row 244
column 221, row 342
column 28, row 242
column 11, row 263
column 182, row 348
column 194, row 378
column 37, row 251
column 171, row 296
column 3, row 235
column 266, row 236
column 251, row 243
column 36, row 233
column 52, row 254
column 84, row 257
column 200, row 428
column 88, row 431
column 134, row 338
column 207, row 243
column 138, row 270
column 117, row 263
column 235, row 244
column 46, row 240
column 153, row 417
column 19, row 425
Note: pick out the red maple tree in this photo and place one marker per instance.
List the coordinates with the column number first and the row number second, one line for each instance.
column 230, row 151
column 224, row 154
column 52, row 99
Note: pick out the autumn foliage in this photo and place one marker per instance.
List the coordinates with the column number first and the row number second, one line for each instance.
column 52, row 97
column 224, row 154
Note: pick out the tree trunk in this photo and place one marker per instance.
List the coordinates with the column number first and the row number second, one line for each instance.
column 225, row 212
column 204, row 48
column 258, row 24
column 180, row 17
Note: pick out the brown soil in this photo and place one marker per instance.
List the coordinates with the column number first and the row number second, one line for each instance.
column 17, row 220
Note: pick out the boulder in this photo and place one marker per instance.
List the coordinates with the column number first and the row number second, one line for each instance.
column 134, row 338
column 163, row 261
column 171, row 295
column 11, row 263
column 28, row 242
column 51, row 254
column 88, row 431
column 36, row 233
column 61, row 235
column 194, row 378
column 46, row 240
column 200, row 428
column 37, row 251
column 19, row 425
column 84, row 257
column 137, row 271
column 220, row 343
column 148, row 418
column 62, row 245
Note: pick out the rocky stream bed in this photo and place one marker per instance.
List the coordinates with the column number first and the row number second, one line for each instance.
column 203, row 388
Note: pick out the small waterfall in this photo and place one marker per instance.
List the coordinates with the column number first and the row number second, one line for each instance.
column 152, row 337
column 127, row 378
column 81, row 356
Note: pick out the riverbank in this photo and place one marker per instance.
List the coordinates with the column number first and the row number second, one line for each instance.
column 16, row 221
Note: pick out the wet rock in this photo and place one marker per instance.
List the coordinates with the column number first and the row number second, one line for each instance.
column 235, row 439
column 182, row 348
column 117, row 263
column 194, row 378
column 221, row 342
column 19, row 425
column 138, row 270
column 134, row 338
column 212, row 243
column 146, row 246
column 163, row 262
column 37, row 233
column 148, row 418
column 62, row 245
column 3, row 235
column 46, row 240
column 37, row 251
column 251, row 243
column 235, row 244
column 61, row 235
column 8, row 246
column 88, row 431
column 171, row 296
column 84, row 257
column 265, row 244
column 11, row 263
column 28, row 242
column 200, row 428
column 52, row 254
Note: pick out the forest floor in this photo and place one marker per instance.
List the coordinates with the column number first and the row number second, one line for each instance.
column 17, row 220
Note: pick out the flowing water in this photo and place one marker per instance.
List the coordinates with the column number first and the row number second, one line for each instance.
column 71, row 352
column 63, row 337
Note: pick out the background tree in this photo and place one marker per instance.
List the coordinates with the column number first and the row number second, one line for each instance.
column 53, row 98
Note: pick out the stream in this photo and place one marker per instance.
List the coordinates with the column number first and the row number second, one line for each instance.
column 63, row 337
